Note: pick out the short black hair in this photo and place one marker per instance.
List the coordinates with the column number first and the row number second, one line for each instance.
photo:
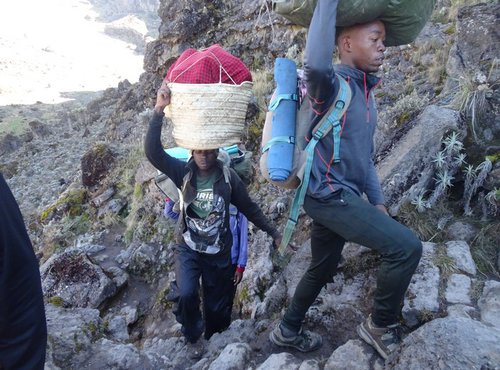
column 338, row 32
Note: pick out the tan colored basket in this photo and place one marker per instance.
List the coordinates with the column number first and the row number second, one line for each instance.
column 208, row 116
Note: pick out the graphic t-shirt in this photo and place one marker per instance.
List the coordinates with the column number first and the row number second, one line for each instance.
column 202, row 204
column 205, row 218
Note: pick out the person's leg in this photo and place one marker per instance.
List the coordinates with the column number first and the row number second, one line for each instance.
column 358, row 221
column 326, row 250
column 218, row 293
column 187, row 305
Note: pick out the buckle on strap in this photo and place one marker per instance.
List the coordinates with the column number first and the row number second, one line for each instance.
column 340, row 104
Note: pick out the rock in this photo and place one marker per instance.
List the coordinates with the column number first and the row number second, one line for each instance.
column 103, row 197
column 117, row 328
column 280, row 361
column 461, row 231
column 423, row 292
column 129, row 29
column 96, row 164
column 40, row 129
column 458, row 289
column 407, row 168
column 74, row 279
column 119, row 277
column 238, row 331
column 353, row 355
column 70, row 334
column 460, row 310
column 234, row 356
column 459, row 251
column 309, row 365
column 448, row 344
column 489, row 303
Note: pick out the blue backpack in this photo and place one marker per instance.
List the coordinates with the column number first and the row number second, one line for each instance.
column 287, row 158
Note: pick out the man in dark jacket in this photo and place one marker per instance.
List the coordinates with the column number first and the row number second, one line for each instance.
column 334, row 199
column 23, row 330
column 204, row 238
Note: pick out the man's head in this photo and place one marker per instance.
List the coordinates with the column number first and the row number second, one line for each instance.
column 362, row 46
column 205, row 159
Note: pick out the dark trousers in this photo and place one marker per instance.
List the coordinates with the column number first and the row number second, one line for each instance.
column 217, row 273
column 23, row 328
column 346, row 217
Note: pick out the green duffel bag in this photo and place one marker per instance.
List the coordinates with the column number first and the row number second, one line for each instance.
column 403, row 19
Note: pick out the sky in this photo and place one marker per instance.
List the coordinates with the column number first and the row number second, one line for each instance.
column 51, row 47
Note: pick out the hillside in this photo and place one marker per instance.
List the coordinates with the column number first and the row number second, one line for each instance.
column 90, row 203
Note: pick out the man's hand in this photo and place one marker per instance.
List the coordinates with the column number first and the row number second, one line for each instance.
column 162, row 97
column 238, row 275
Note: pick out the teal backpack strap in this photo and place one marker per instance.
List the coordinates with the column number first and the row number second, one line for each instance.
column 278, row 98
column 278, row 139
column 329, row 121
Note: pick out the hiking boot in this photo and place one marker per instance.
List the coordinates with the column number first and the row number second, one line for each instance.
column 384, row 339
column 304, row 341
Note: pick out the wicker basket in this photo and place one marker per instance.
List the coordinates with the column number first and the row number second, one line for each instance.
column 208, row 116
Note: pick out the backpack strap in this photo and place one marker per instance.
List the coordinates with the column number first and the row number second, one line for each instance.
column 278, row 98
column 330, row 120
column 278, row 139
column 272, row 107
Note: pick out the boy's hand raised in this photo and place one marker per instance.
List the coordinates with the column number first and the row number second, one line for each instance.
column 162, row 97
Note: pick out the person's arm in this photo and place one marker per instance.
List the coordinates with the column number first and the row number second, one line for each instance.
column 373, row 190
column 243, row 241
column 241, row 199
column 318, row 59
column 169, row 209
column 153, row 147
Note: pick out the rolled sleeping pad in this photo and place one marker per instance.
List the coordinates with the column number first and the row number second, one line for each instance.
column 280, row 154
column 179, row 153
column 232, row 149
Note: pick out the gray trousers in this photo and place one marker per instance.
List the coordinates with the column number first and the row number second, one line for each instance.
column 343, row 217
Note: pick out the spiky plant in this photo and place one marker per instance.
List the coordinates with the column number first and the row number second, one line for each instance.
column 452, row 144
column 459, row 159
column 491, row 201
column 472, row 185
column 443, row 182
column 440, row 159
column 419, row 202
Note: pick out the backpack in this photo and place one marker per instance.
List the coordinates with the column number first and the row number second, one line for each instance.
column 232, row 156
column 403, row 19
column 297, row 117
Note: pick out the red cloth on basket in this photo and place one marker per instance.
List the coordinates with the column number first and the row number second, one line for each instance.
column 211, row 65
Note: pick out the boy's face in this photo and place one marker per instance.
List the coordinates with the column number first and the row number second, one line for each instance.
column 205, row 159
column 365, row 46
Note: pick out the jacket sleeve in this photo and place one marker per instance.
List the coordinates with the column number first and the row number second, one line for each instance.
column 243, row 228
column 318, row 59
column 241, row 199
column 373, row 190
column 172, row 167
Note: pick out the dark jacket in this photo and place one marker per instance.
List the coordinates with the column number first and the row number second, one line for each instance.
column 23, row 330
column 181, row 173
column 356, row 170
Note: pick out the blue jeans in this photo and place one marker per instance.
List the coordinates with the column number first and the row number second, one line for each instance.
column 343, row 217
